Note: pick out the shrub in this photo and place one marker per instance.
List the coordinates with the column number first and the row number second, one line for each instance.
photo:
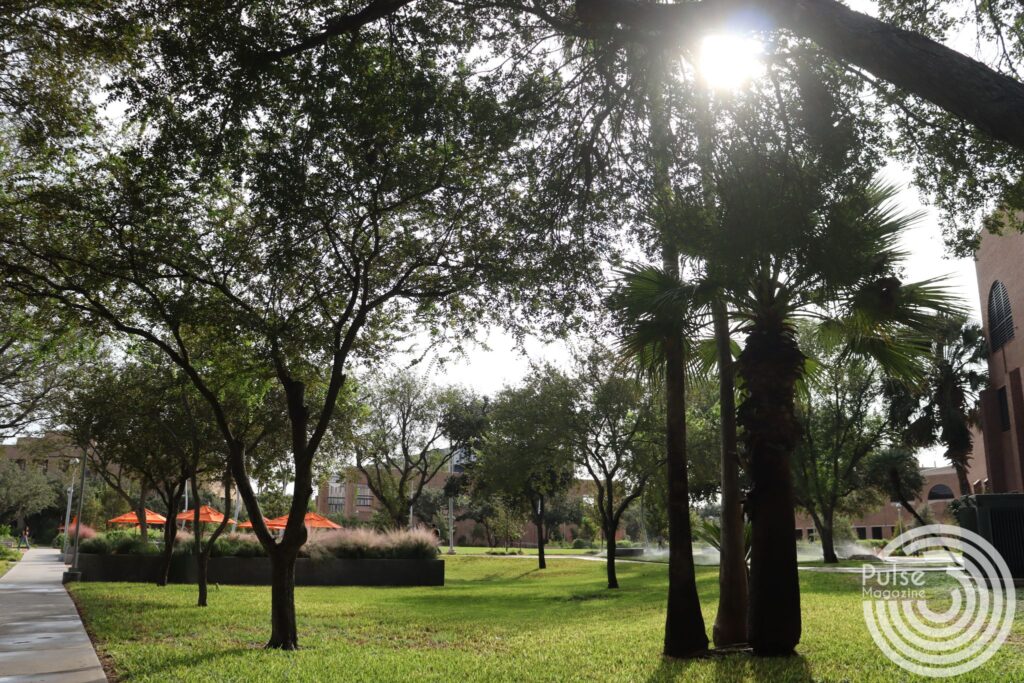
column 238, row 545
column 117, row 543
column 98, row 545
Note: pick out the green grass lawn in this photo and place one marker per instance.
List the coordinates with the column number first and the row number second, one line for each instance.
column 497, row 619
column 548, row 550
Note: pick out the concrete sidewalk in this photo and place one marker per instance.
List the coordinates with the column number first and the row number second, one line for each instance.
column 41, row 635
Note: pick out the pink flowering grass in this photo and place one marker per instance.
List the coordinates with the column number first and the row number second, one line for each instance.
column 359, row 543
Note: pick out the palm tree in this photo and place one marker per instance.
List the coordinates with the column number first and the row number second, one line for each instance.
column 658, row 316
column 941, row 407
column 802, row 246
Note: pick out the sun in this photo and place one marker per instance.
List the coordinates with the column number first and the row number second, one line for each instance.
column 729, row 61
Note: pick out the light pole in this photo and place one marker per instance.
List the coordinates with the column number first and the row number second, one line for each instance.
column 67, row 513
column 73, row 574
column 451, row 508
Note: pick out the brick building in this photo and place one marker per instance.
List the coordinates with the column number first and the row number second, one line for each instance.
column 939, row 489
column 999, row 455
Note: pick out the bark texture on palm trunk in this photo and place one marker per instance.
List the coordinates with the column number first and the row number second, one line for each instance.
column 960, row 466
column 770, row 365
column 731, row 620
column 685, row 634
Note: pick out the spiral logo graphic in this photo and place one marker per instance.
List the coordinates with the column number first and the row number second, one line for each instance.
column 948, row 643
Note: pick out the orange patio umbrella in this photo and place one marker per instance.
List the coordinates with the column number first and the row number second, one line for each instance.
column 312, row 520
column 271, row 524
column 207, row 515
column 152, row 518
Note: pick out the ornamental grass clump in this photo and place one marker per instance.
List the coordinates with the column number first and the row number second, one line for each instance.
column 358, row 544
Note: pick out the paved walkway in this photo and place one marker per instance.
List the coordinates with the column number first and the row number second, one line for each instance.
column 41, row 635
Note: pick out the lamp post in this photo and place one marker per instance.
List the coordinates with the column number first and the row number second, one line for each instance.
column 451, row 508
column 73, row 574
column 67, row 514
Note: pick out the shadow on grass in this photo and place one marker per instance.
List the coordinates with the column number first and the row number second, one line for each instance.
column 191, row 659
column 737, row 668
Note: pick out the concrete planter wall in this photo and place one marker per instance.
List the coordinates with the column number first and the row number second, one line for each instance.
column 255, row 571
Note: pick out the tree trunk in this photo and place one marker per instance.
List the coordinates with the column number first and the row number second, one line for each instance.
column 959, row 462
column 826, row 529
column 170, row 533
column 539, row 521
column 203, row 550
column 770, row 365
column 284, row 634
column 685, row 634
column 731, row 621
column 202, row 569
column 613, row 580
column 140, row 515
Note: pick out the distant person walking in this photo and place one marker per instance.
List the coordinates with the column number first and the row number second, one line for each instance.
column 24, row 539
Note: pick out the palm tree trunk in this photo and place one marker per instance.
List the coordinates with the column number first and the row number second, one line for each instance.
column 770, row 365
column 685, row 634
column 731, row 621
column 959, row 461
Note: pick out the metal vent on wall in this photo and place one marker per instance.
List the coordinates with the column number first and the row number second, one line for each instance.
column 1000, row 318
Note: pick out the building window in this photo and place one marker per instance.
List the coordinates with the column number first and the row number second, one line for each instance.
column 363, row 496
column 1004, row 409
column 1000, row 319
column 941, row 492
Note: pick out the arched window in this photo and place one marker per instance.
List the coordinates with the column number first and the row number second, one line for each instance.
column 940, row 492
column 1000, row 319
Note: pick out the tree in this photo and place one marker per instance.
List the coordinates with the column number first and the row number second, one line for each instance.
column 398, row 448
column 290, row 249
column 838, row 254
column 202, row 550
column 841, row 427
column 506, row 522
column 615, row 438
column 896, row 472
column 941, row 406
column 526, row 457
column 658, row 315
column 143, row 429
column 38, row 356
column 24, row 490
